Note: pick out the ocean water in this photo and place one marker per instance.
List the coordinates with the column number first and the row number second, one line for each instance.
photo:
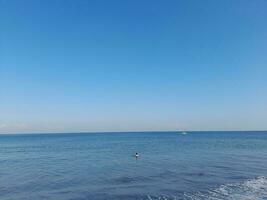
column 101, row 166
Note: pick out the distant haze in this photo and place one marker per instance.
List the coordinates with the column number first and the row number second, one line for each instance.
column 68, row 66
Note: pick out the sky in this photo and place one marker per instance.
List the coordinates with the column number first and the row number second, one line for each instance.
column 132, row 65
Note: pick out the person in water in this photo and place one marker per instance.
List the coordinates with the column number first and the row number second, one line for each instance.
column 136, row 155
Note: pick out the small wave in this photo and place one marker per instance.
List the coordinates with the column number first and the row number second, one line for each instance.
column 253, row 189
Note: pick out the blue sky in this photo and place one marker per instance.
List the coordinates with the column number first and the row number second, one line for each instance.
column 127, row 65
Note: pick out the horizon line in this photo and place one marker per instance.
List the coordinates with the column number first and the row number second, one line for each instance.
column 147, row 131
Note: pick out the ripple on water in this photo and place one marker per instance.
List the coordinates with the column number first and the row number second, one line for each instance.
column 253, row 189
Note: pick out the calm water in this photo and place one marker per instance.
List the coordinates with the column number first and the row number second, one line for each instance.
column 199, row 165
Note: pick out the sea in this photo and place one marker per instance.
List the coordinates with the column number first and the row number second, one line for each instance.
column 102, row 166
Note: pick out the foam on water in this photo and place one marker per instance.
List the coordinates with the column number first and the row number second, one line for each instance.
column 254, row 189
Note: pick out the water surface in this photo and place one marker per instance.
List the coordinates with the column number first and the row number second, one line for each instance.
column 101, row 166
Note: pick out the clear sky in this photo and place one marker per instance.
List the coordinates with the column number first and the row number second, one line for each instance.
column 130, row 65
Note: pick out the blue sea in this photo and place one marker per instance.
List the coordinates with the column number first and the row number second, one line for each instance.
column 102, row 166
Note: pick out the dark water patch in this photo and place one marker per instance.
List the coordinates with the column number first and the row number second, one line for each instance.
column 128, row 179
column 166, row 174
column 195, row 174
